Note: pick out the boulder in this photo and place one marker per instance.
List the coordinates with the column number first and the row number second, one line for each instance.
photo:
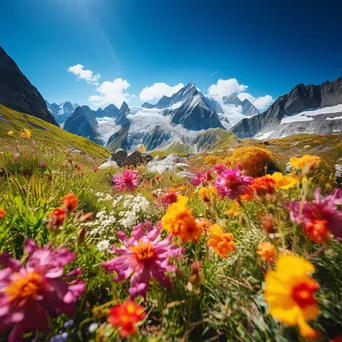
column 136, row 157
column 108, row 164
column 338, row 173
column 119, row 156
column 170, row 163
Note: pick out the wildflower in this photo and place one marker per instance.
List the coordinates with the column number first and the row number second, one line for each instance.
column 10, row 133
column 306, row 164
column 126, row 316
column 145, row 256
column 201, row 178
column 30, row 293
column 16, row 155
column 267, row 221
column 264, row 189
column 325, row 209
column 223, row 243
column 103, row 245
column 289, row 292
column 283, row 182
column 207, row 195
column 195, row 277
column 56, row 218
column 179, row 221
column 127, row 180
column 167, row 198
column 95, row 168
column 25, row 134
column 267, row 252
column 142, row 148
column 205, row 224
column 219, row 168
column 43, row 164
column 234, row 210
column 2, row 213
column 232, row 184
column 317, row 230
column 247, row 195
column 70, row 201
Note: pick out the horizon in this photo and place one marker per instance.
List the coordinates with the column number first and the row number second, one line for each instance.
column 99, row 52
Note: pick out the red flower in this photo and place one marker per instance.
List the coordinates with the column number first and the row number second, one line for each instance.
column 126, row 316
column 2, row 213
column 56, row 218
column 70, row 201
column 264, row 188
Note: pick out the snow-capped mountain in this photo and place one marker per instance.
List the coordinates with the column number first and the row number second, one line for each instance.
column 247, row 108
column 61, row 112
column 305, row 109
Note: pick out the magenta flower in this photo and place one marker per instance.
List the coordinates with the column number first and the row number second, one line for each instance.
column 95, row 168
column 30, row 293
column 230, row 183
column 201, row 178
column 127, row 180
column 16, row 155
column 320, row 209
column 145, row 256
column 219, row 168
column 43, row 164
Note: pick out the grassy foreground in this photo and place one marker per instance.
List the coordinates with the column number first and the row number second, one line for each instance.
column 231, row 255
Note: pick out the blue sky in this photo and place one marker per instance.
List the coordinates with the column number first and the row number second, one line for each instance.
column 269, row 46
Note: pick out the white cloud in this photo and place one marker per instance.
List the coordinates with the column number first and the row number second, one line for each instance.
column 158, row 90
column 225, row 88
column 111, row 92
column 82, row 74
column 261, row 102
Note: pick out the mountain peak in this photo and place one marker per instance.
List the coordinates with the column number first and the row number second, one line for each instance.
column 124, row 108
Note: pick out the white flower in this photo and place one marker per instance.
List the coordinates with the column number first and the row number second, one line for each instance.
column 103, row 245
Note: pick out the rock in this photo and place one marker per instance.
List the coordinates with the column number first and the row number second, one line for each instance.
column 170, row 163
column 288, row 167
column 119, row 156
column 186, row 174
column 108, row 164
column 338, row 173
column 136, row 157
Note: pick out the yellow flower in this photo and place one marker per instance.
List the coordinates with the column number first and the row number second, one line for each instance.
column 306, row 164
column 142, row 148
column 10, row 133
column 179, row 221
column 289, row 292
column 207, row 195
column 234, row 210
column 26, row 134
column 283, row 182
column 223, row 243
column 267, row 252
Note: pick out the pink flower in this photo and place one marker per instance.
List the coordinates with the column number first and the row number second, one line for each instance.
column 30, row 293
column 127, row 180
column 167, row 198
column 219, row 168
column 95, row 168
column 201, row 178
column 320, row 209
column 43, row 164
column 230, row 183
column 145, row 256
column 16, row 155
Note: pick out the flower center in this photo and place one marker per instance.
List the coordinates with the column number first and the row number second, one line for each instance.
column 303, row 293
column 24, row 287
column 143, row 251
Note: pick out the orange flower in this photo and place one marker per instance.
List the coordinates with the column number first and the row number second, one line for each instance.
column 223, row 243
column 126, row 316
column 264, row 188
column 70, row 201
column 179, row 221
column 267, row 220
column 316, row 230
column 56, row 218
column 2, row 213
column 207, row 195
column 205, row 224
column 267, row 252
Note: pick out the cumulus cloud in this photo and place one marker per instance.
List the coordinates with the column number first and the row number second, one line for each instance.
column 158, row 90
column 83, row 74
column 225, row 88
column 261, row 103
column 111, row 92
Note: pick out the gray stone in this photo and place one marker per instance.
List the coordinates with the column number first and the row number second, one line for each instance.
column 170, row 163
column 338, row 173
column 136, row 157
column 119, row 156
column 108, row 164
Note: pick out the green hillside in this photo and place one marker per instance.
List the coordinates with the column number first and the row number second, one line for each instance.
column 50, row 135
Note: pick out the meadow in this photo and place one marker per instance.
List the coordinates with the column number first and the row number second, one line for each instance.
column 235, row 253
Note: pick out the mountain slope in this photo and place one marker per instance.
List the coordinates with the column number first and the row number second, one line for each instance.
column 62, row 111
column 110, row 111
column 51, row 135
column 299, row 99
column 18, row 93
column 83, row 122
